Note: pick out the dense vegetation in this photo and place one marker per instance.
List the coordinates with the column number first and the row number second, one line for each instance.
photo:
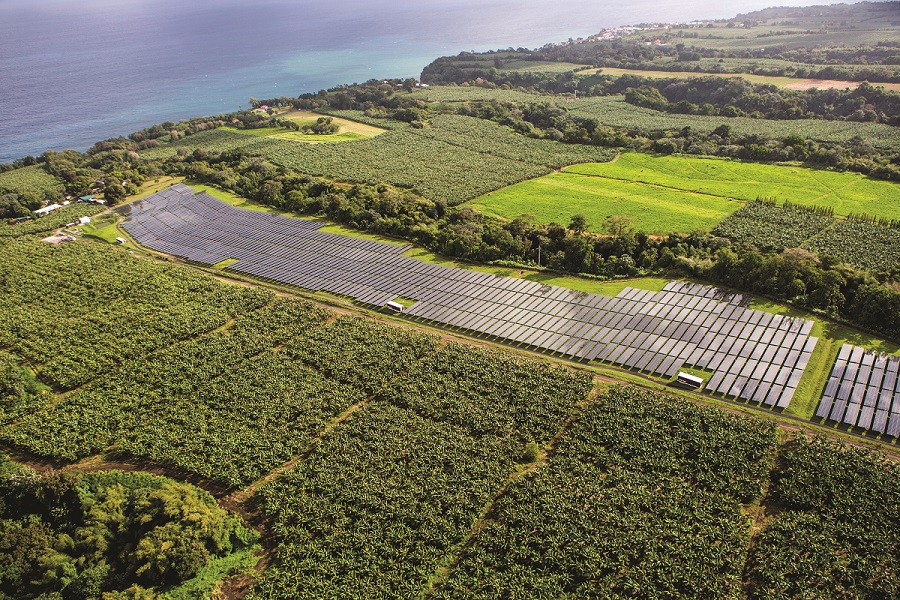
column 637, row 498
column 864, row 242
column 417, row 466
column 837, row 531
column 847, row 42
column 77, row 536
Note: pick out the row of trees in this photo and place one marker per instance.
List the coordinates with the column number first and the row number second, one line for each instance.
column 735, row 97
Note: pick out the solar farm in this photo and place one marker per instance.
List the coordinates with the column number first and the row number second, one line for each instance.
column 863, row 391
column 754, row 355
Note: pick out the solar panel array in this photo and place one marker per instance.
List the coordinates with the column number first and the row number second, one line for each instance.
column 755, row 355
column 863, row 391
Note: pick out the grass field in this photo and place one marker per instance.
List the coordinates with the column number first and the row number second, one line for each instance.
column 680, row 193
column 845, row 192
column 785, row 82
column 348, row 130
column 654, row 208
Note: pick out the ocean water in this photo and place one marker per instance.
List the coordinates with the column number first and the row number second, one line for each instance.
column 73, row 72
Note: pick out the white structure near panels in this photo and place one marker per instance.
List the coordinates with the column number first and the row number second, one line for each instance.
column 754, row 355
column 863, row 391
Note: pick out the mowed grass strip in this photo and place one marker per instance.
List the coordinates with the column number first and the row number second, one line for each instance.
column 655, row 209
column 845, row 192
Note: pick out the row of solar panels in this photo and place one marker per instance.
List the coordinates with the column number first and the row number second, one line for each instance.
column 863, row 391
column 656, row 332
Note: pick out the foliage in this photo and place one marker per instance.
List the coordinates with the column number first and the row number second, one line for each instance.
column 837, row 535
column 32, row 179
column 105, row 306
column 81, row 535
column 864, row 243
column 417, row 465
column 770, row 227
column 638, row 498
column 614, row 111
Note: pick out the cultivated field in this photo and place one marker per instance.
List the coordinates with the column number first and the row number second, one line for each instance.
column 613, row 110
column 418, row 467
column 791, row 83
column 845, row 192
column 655, row 209
column 679, row 193
column 453, row 159
column 28, row 179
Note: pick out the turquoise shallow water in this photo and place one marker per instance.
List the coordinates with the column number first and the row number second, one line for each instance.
column 73, row 72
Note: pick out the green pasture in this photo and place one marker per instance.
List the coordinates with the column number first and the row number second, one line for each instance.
column 655, row 209
column 845, row 192
column 539, row 66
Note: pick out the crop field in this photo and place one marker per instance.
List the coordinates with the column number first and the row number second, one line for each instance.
column 613, row 110
column 844, row 192
column 785, row 82
column 655, row 209
column 28, row 179
column 862, row 243
column 653, row 510
column 679, row 193
column 454, row 159
column 420, row 466
column 770, row 227
column 837, row 527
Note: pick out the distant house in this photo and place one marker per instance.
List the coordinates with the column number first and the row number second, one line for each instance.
column 120, row 240
column 47, row 209
column 84, row 220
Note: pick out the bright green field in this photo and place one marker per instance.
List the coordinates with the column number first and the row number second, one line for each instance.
column 846, row 192
column 680, row 193
column 559, row 196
